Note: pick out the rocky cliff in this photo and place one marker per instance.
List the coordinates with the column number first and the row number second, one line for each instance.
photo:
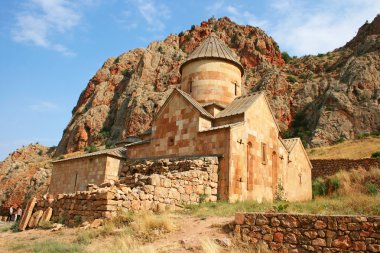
column 323, row 98
column 24, row 173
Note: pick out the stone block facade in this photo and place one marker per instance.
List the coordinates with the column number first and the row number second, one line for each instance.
column 71, row 175
column 309, row 233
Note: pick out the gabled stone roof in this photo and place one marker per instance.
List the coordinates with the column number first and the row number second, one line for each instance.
column 119, row 152
column 195, row 103
column 213, row 48
column 239, row 105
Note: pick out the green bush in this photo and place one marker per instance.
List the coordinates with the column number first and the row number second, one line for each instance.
column 180, row 34
column 188, row 37
column 91, row 148
column 116, row 60
column 335, row 183
column 341, row 139
column 14, row 227
column 320, row 55
column 127, row 73
column 215, row 28
column 291, row 79
column 319, row 187
column 192, row 27
column 109, row 144
column 306, row 75
column 202, row 198
column 286, row 57
column 376, row 154
column 371, row 188
column 363, row 135
column 160, row 49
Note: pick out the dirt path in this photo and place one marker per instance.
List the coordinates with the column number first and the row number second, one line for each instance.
column 193, row 230
column 187, row 238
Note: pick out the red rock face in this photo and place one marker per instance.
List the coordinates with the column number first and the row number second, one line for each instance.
column 24, row 173
column 321, row 98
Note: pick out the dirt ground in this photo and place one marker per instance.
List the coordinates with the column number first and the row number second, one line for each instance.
column 187, row 238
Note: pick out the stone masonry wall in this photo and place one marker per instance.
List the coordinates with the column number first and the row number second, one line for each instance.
column 158, row 185
column 328, row 167
column 309, row 233
column 170, row 181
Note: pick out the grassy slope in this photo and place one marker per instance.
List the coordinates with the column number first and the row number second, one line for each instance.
column 355, row 149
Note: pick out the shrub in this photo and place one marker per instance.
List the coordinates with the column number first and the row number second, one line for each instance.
column 160, row 49
column 291, row 79
column 320, row 55
column 46, row 225
column 127, row 73
column 109, row 144
column 371, row 188
column 215, row 28
column 202, row 198
column 14, row 227
column 319, row 187
column 281, row 208
column 91, row 148
column 192, row 27
column 77, row 220
column 335, row 183
column 61, row 157
column 286, row 57
column 363, row 135
column 306, row 75
column 376, row 154
column 116, row 60
column 40, row 152
column 234, row 39
column 188, row 37
column 341, row 139
column 180, row 34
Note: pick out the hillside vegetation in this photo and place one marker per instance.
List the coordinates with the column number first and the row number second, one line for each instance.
column 352, row 149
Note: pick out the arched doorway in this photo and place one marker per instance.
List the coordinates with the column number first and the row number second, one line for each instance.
column 249, row 166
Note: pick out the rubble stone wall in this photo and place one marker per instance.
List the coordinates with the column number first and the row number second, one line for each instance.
column 156, row 185
column 328, row 167
column 309, row 233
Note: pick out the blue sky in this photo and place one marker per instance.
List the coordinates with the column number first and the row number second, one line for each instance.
column 49, row 49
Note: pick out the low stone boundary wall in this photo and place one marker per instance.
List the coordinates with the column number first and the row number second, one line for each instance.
column 180, row 182
column 309, row 233
column 328, row 167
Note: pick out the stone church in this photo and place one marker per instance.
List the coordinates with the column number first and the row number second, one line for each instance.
column 207, row 116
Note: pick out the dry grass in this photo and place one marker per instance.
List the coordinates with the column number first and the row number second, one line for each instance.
column 354, row 182
column 127, row 232
column 354, row 149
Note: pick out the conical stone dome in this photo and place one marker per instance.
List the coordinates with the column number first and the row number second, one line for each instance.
column 213, row 48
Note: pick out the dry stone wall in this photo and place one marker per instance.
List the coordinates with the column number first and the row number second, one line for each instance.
column 328, row 167
column 156, row 185
column 309, row 233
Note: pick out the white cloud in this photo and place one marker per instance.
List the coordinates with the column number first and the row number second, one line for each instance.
column 43, row 106
column 40, row 20
column 237, row 13
column 319, row 27
column 152, row 13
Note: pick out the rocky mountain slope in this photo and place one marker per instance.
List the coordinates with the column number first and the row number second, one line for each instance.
column 323, row 99
column 24, row 173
